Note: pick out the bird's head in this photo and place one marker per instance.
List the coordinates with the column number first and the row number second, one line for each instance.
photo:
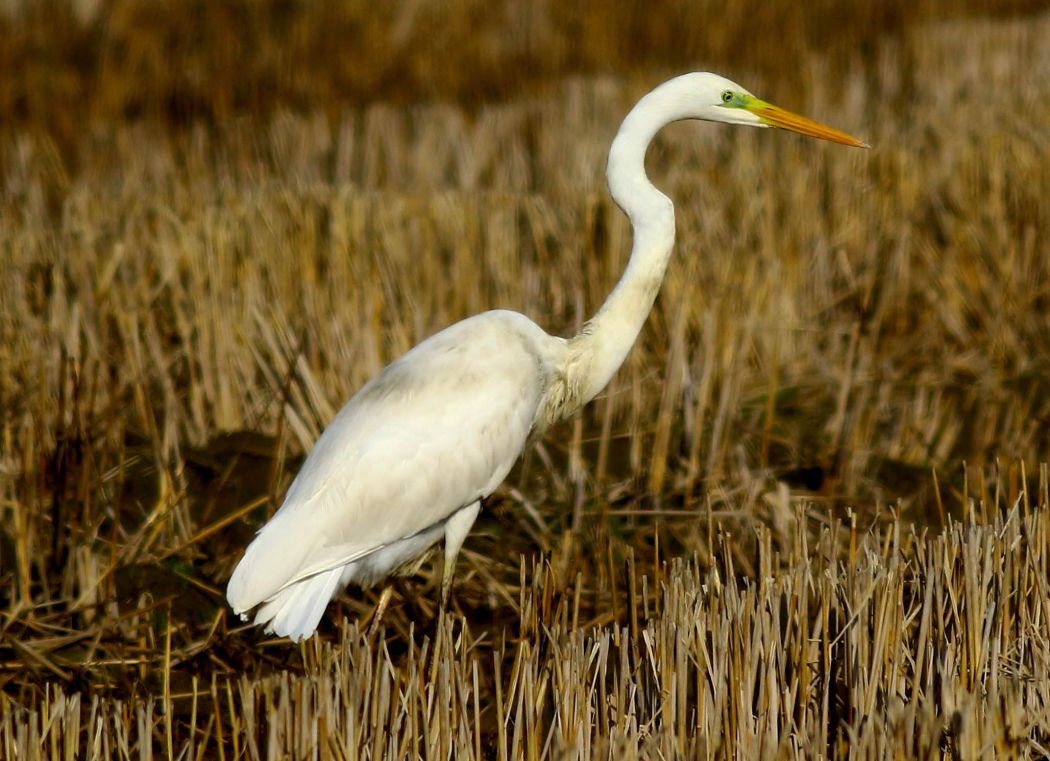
column 713, row 98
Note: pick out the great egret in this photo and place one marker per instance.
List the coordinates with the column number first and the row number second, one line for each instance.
column 409, row 458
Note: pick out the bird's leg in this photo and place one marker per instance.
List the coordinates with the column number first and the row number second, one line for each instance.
column 442, row 620
column 456, row 529
column 380, row 609
column 446, row 583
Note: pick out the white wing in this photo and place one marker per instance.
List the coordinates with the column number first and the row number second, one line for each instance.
column 436, row 430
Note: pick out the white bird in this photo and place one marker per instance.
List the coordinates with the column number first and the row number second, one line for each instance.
column 408, row 460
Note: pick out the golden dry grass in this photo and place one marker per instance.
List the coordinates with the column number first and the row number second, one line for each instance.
column 207, row 247
column 907, row 646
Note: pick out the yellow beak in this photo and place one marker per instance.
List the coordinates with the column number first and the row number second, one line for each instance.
column 778, row 117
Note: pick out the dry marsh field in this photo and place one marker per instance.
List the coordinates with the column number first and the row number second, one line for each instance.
column 808, row 518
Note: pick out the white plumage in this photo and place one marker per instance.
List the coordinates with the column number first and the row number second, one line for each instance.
column 378, row 486
column 408, row 459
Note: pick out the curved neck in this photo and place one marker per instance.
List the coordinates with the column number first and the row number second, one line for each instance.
column 600, row 348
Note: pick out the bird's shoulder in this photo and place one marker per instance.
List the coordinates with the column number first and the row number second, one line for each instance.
column 499, row 354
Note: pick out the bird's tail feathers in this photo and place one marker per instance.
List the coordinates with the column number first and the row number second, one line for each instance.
column 295, row 611
column 269, row 564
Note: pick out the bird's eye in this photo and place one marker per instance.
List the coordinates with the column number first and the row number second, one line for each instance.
column 727, row 96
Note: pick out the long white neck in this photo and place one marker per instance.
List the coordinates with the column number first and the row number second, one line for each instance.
column 600, row 348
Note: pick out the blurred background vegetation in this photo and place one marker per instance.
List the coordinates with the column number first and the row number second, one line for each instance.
column 67, row 64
